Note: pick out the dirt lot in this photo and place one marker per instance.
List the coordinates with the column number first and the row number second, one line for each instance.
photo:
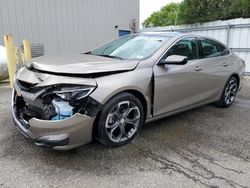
column 204, row 147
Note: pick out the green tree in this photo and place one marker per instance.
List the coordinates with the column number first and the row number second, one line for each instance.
column 192, row 11
column 199, row 11
column 166, row 16
column 238, row 9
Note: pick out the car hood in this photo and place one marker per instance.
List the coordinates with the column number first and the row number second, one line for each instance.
column 80, row 64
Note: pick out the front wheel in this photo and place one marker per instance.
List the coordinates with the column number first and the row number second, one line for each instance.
column 229, row 93
column 120, row 120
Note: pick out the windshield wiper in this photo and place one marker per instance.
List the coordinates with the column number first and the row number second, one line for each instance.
column 103, row 55
column 110, row 56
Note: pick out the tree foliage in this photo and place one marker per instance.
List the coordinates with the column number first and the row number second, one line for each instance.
column 166, row 16
column 199, row 11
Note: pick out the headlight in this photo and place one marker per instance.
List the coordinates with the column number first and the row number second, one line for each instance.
column 74, row 93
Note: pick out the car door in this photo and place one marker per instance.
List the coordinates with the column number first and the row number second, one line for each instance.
column 215, row 64
column 180, row 86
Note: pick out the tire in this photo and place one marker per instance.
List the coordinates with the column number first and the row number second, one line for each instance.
column 229, row 93
column 120, row 120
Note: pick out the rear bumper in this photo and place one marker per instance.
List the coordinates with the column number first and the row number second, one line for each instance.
column 59, row 135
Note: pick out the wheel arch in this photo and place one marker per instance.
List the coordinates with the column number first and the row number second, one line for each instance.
column 237, row 77
column 141, row 97
column 134, row 92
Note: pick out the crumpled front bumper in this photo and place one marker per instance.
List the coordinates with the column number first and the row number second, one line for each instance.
column 59, row 135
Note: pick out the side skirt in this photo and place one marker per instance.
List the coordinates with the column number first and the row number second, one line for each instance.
column 149, row 120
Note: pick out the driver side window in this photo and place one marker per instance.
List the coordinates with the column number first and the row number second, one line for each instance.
column 185, row 47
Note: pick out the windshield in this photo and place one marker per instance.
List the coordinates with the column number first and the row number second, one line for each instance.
column 131, row 47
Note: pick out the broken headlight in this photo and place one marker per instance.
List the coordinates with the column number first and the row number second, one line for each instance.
column 74, row 93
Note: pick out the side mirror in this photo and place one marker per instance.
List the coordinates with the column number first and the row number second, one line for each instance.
column 175, row 60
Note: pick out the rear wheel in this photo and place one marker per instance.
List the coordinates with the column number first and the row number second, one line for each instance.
column 229, row 93
column 120, row 120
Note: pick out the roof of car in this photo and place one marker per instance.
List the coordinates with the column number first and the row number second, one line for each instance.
column 168, row 34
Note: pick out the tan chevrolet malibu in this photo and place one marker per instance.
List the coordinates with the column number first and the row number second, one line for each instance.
column 107, row 94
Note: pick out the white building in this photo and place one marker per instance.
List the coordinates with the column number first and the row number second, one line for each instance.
column 64, row 26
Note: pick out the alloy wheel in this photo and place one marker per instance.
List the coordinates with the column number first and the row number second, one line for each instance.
column 122, row 121
column 231, row 91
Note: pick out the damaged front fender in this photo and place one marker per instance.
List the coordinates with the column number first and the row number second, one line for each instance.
column 52, row 102
column 49, row 120
column 52, row 107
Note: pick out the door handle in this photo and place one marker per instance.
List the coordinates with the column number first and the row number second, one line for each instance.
column 197, row 69
column 224, row 64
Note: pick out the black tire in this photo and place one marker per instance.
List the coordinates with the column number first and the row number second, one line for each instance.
column 113, row 115
column 224, row 101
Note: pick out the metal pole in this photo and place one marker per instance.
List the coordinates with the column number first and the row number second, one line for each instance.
column 228, row 33
column 26, row 47
column 11, row 58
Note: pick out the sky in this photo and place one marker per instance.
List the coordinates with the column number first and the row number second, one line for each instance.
column 147, row 7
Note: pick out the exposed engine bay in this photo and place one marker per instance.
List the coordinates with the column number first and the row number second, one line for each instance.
column 55, row 102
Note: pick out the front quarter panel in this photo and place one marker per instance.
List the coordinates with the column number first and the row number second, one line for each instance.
column 137, row 80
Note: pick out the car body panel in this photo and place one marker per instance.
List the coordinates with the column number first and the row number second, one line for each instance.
column 78, row 129
column 43, row 79
column 166, row 89
column 178, row 86
column 80, row 64
column 139, row 80
column 198, row 82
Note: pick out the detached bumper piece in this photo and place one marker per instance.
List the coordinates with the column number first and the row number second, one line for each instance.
column 53, row 123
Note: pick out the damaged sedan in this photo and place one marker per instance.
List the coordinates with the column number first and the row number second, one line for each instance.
column 107, row 94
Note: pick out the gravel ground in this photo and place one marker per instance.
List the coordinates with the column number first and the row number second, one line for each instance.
column 204, row 147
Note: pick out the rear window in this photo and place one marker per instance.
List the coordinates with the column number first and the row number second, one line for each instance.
column 210, row 48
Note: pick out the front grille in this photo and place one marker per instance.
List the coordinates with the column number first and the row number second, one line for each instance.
column 24, row 111
column 32, row 111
